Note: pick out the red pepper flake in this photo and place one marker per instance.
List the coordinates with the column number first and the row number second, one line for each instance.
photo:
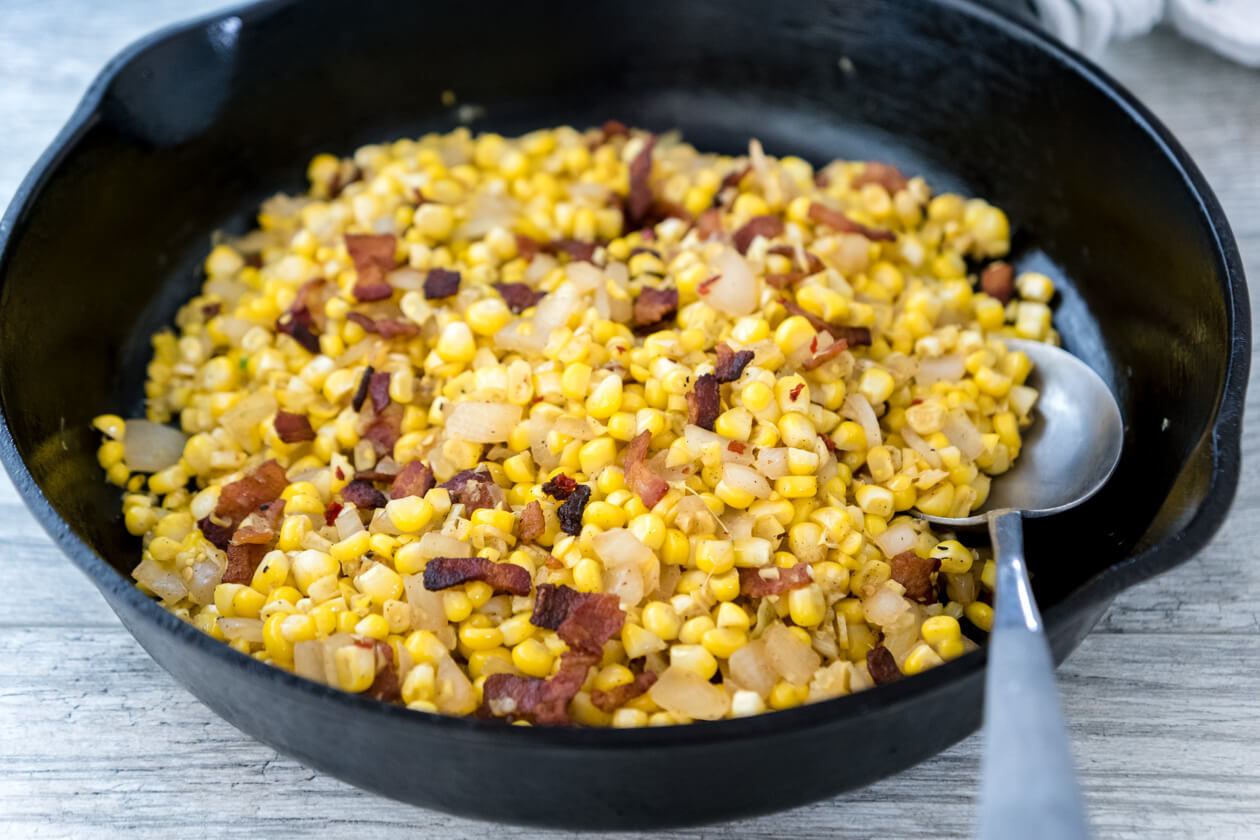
column 577, row 250
column 915, row 574
column 519, row 296
column 543, row 702
column 341, row 476
column 613, row 699
column 440, row 283
column 705, row 285
column 386, row 685
column 373, row 257
column 704, row 402
column 415, row 479
column 836, row 220
column 532, row 522
column 888, row 177
column 639, row 476
column 737, row 447
column 813, row 264
column 378, row 390
column 813, row 344
column 361, row 393
column 654, row 306
column 363, row 495
column 527, row 247
column 730, row 364
column 753, row 584
column 796, row 392
column 853, row 336
column 709, row 224
column 298, row 322
column 385, row 429
column 560, row 487
column 767, row 226
column 882, row 666
column 332, row 512
column 639, row 199
column 473, row 489
column 997, row 280
column 570, row 512
column 445, row 572
column 238, row 499
column 293, row 428
column 828, row 353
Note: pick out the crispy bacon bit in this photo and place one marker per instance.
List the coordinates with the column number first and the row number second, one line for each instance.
column 218, row 535
column 415, row 479
column 385, row 429
column 767, row 226
column 915, row 574
column 578, row 251
column 445, row 572
column 704, row 402
column 709, row 224
column 293, row 428
column 440, row 283
column 337, row 184
column 378, row 390
column 386, row 685
column 243, row 559
column 387, row 328
column 705, row 285
column 639, row 198
column 813, row 264
column 729, row 187
column 639, row 476
column 361, row 393
column 472, row 489
column 753, row 584
column 730, row 364
column 298, row 322
column 519, row 296
column 560, row 487
column 240, row 498
column 544, row 702
column 373, row 476
column 553, row 562
column 583, row 620
column 783, row 281
column 332, row 512
column 526, row 246
column 373, row 257
column 888, row 177
column 654, row 306
column 209, row 310
column 998, row 281
column 615, row 128
column 570, row 512
column 882, row 666
column 828, row 353
column 552, row 605
column 532, row 522
column 822, row 179
column 836, row 220
column 609, row 701
column 368, row 324
column 852, row 336
column 363, row 495
column 260, row 527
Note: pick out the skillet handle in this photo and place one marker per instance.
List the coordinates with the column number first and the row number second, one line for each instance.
column 1028, row 783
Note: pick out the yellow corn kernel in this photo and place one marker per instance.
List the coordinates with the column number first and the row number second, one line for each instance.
column 373, row 626
column 351, row 548
column 420, row 684
column 849, row 437
column 311, row 565
column 693, row 630
column 676, row 548
column 277, row 646
column 693, row 658
column 575, row 380
column 950, row 648
column 661, row 619
column 605, row 399
column 532, row 658
column 597, row 454
column 757, row 397
column 479, row 638
column 588, row 575
column 807, row 605
column 920, row 658
column 940, row 628
column 356, row 667
column 380, row 583
column 715, row 556
column 956, row 558
column 410, row 513
column 874, row 500
column 784, row 695
column 938, row 501
column 724, row 641
column 980, row 614
column 796, row 486
column 725, row 587
column 456, row 605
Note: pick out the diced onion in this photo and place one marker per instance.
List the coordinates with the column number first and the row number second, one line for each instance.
column 857, row 407
column 632, row 569
column 149, row 447
column 941, row 369
column 791, row 658
column 406, row 278
column 898, row 538
column 687, row 693
column 483, row 422
column 921, row 446
column 249, row 629
column 743, row 478
column 434, row 544
column 206, row 575
column 308, row 659
column 162, row 582
column 773, row 461
column 242, row 419
column 884, row 607
column 751, row 669
column 735, row 291
column 963, row 433
column 427, row 612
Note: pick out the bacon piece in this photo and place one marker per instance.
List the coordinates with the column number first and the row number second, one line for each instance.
column 415, row 479
column 336, row 184
column 615, row 128
column 445, row 572
column 639, row 199
column 783, row 281
column 374, row 476
column 997, row 280
column 526, row 246
column 709, row 224
column 639, row 476
column 888, row 177
column 440, row 283
column 293, row 428
column 915, row 574
column 836, row 220
column 813, row 264
column 544, row 702
column 729, row 187
column 570, row 512
column 519, row 296
column 653, row 306
column 331, row 512
column 767, row 226
column 583, row 620
column 261, row 526
column 730, row 364
column 386, row 685
column 220, row 536
column 361, row 392
column 560, row 487
column 609, row 701
column 704, row 402
column 209, row 310
column 240, row 498
column 882, row 666
column 373, row 257
column 387, row 328
column 852, row 336
column 385, row 429
column 552, row 604
column 532, row 522
column 298, row 322
column 378, row 390
column 363, row 495
column 821, row 357
column 752, row 583
column 578, row 251
column 243, row 559
column 473, row 489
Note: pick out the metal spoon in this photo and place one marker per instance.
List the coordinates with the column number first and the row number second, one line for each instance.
column 1029, row 788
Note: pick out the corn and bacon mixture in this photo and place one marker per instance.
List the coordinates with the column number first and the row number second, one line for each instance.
column 586, row 427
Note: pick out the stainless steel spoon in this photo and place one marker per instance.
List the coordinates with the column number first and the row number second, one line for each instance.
column 1028, row 783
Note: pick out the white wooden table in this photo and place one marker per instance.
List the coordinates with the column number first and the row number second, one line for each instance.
column 1163, row 698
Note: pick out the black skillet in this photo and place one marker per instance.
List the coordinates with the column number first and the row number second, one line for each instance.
column 187, row 131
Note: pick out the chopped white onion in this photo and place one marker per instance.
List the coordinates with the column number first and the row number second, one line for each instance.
column 308, row 659
column 149, row 447
column 773, row 461
column 632, row 569
column 941, row 369
column 735, row 291
column 900, row 537
column 162, row 582
column 884, row 607
column 206, row 575
column 434, row 544
column 921, row 446
column 242, row 419
column 791, row 658
column 739, row 477
column 427, row 612
column 751, row 669
column 406, row 278
column 963, row 433
column 348, row 523
column 249, row 629
column 483, row 422
column 857, row 408
column 687, row 693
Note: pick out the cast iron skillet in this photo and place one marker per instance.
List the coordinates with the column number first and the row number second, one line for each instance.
column 189, row 130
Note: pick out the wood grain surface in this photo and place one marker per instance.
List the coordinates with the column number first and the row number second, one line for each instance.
column 1162, row 699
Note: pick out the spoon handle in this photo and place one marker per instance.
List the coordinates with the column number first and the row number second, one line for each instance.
column 1029, row 788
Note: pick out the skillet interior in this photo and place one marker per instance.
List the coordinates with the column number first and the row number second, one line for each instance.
column 196, row 129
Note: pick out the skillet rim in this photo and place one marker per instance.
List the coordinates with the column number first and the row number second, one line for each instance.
column 1223, row 435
